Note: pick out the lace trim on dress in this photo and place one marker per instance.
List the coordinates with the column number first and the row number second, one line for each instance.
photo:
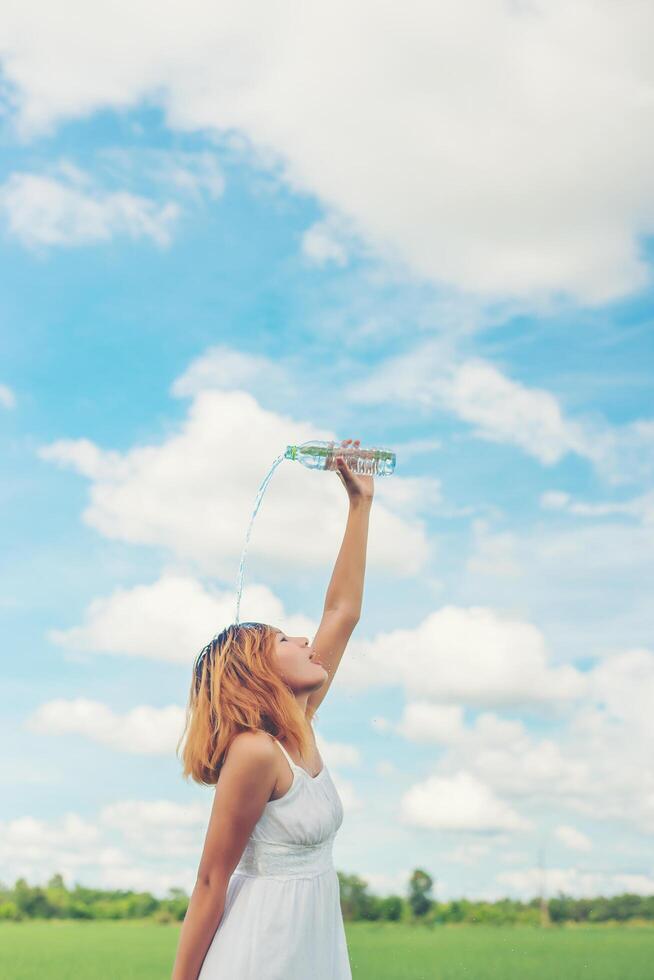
column 274, row 859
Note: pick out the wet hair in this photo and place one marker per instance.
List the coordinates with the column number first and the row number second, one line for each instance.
column 237, row 687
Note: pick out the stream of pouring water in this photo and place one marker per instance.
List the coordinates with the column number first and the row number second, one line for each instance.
column 257, row 504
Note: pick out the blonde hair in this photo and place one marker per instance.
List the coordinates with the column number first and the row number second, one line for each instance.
column 236, row 687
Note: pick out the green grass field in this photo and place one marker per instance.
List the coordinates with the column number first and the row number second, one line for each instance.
column 378, row 951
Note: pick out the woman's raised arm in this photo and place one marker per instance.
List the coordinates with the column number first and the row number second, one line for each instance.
column 345, row 589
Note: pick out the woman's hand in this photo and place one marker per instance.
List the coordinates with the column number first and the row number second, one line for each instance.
column 358, row 486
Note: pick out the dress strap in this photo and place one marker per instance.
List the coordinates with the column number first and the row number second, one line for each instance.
column 290, row 761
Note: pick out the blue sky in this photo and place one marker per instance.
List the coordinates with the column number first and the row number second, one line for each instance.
column 189, row 285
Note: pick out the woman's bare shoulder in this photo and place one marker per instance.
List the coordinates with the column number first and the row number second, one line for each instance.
column 251, row 749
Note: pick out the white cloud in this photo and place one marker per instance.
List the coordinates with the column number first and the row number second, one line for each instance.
column 127, row 815
column 545, row 572
column 554, row 500
column 193, row 173
column 45, row 211
column 593, row 761
column 151, row 845
column 573, row 838
column 338, row 754
column 458, row 152
column 171, row 619
column 500, row 752
column 350, row 797
column 31, row 832
column 193, row 494
column 423, row 721
column 475, row 655
column 86, row 458
column 140, row 821
column 494, row 552
column 222, row 367
column 386, row 769
column 469, row 852
column 641, row 508
column 431, row 377
column 575, row 882
column 624, row 686
column 323, row 243
column 516, row 763
column 142, row 730
column 417, row 447
column 36, row 848
column 613, row 732
column 410, row 494
column 459, row 802
column 7, row 397
column 505, row 411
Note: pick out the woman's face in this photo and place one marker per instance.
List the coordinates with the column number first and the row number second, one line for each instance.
column 297, row 663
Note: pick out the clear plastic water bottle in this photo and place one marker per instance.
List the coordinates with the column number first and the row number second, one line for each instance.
column 322, row 456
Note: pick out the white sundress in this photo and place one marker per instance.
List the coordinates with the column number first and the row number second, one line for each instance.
column 282, row 917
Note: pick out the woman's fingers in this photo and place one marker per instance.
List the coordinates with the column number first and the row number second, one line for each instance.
column 344, row 470
column 345, row 444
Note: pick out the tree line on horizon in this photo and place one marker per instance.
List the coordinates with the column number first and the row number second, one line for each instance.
column 56, row 901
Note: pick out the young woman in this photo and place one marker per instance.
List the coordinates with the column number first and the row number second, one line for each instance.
column 266, row 902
